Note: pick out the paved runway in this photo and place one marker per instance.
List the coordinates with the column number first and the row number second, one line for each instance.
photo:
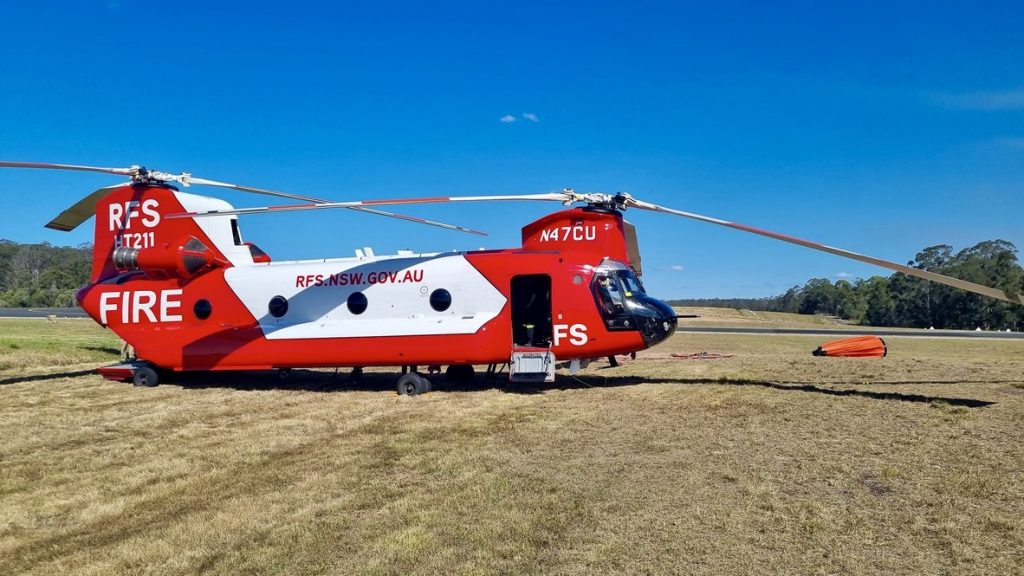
column 42, row 312
column 840, row 332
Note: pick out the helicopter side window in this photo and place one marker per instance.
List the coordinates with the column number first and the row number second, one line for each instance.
column 236, row 234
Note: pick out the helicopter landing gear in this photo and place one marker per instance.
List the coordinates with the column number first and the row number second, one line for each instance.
column 412, row 384
column 459, row 374
column 145, row 377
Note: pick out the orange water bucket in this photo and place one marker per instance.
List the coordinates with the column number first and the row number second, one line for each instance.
column 859, row 347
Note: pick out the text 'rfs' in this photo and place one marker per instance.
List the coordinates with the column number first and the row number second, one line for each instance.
column 123, row 213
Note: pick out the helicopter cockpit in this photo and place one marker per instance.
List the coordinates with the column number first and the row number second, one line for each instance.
column 625, row 305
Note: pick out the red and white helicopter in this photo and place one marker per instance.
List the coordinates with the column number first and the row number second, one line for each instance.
column 173, row 278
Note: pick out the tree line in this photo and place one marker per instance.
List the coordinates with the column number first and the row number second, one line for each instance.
column 901, row 300
column 42, row 275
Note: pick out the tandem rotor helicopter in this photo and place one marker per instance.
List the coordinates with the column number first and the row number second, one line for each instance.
column 172, row 277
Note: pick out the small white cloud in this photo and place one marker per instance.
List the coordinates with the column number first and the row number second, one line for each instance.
column 507, row 119
column 844, row 275
column 987, row 101
column 676, row 268
column 530, row 116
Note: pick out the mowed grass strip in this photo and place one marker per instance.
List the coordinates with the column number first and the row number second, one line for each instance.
column 771, row 461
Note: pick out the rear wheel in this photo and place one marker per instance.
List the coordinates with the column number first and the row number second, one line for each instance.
column 412, row 384
column 145, row 377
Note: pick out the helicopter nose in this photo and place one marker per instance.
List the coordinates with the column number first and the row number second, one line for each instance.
column 660, row 323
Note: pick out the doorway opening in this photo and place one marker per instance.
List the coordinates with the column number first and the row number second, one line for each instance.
column 531, row 310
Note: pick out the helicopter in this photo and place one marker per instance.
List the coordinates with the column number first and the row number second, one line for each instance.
column 174, row 279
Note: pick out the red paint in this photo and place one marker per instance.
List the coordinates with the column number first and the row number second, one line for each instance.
column 153, row 309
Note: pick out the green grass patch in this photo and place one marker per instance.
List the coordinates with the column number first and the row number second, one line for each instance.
column 771, row 461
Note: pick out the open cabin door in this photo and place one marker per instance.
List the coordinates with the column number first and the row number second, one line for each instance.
column 532, row 359
column 531, row 310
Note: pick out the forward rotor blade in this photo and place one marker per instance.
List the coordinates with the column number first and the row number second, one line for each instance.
column 940, row 278
column 417, row 220
column 552, row 196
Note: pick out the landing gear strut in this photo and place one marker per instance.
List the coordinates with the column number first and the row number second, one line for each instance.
column 412, row 384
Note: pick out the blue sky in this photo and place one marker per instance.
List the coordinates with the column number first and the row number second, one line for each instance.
column 877, row 127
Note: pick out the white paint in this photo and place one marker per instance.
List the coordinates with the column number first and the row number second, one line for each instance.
column 150, row 210
column 395, row 307
column 106, row 305
column 577, row 334
column 136, row 304
column 166, row 304
column 216, row 228
column 565, row 233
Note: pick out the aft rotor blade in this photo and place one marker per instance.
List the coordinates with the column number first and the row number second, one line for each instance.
column 84, row 209
column 48, row 166
column 205, row 182
column 910, row 271
column 188, row 180
column 553, row 196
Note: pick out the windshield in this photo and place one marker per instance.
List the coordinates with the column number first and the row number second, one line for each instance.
column 630, row 282
column 616, row 293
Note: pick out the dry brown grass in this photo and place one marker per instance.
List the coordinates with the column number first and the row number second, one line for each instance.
column 708, row 316
column 770, row 462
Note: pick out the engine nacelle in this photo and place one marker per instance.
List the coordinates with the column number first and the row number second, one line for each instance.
column 184, row 260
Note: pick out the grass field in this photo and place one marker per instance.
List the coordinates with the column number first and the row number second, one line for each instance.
column 768, row 462
column 708, row 316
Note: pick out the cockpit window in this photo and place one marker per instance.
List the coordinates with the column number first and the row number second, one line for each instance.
column 631, row 282
column 609, row 295
column 616, row 293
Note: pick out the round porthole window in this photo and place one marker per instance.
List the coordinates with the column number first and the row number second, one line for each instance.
column 357, row 302
column 440, row 299
column 278, row 306
column 202, row 309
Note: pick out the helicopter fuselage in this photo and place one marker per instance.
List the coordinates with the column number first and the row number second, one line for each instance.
column 187, row 294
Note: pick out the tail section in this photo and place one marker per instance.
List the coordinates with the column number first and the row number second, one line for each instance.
column 133, row 232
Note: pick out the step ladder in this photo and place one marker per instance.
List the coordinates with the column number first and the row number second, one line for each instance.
column 531, row 364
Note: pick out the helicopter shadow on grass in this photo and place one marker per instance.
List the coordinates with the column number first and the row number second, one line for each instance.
column 44, row 377
column 325, row 381
column 601, row 381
